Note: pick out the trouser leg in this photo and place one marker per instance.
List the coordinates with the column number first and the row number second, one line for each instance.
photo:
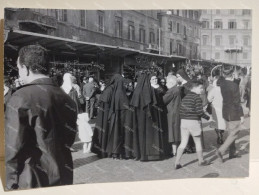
column 230, row 141
column 87, row 104
column 92, row 101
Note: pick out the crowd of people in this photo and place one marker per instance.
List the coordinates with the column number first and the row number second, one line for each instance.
column 149, row 118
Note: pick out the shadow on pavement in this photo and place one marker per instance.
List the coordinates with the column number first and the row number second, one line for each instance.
column 86, row 160
column 210, row 142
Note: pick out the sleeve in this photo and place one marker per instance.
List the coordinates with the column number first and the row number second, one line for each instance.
column 199, row 108
column 84, row 91
column 92, row 92
column 167, row 98
column 237, row 101
column 211, row 95
column 16, row 136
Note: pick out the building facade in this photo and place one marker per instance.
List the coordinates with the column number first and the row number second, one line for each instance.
column 226, row 36
column 180, row 33
column 122, row 41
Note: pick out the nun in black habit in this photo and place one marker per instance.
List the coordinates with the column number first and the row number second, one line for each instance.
column 147, row 121
column 101, row 130
column 117, row 114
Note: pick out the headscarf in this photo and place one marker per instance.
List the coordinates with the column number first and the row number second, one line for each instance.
column 106, row 95
column 183, row 74
column 119, row 100
column 143, row 94
column 67, row 83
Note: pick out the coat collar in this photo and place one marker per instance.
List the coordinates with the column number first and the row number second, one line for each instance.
column 41, row 81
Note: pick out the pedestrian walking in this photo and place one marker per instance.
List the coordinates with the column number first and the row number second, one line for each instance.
column 216, row 99
column 191, row 112
column 183, row 80
column 232, row 113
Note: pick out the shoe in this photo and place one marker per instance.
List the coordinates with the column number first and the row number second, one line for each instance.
column 178, row 166
column 234, row 156
column 219, row 155
column 204, row 163
column 73, row 150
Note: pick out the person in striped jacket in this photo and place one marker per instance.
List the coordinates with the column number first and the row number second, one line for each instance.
column 191, row 112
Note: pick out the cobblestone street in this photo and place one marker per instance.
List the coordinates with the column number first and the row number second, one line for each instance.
column 88, row 168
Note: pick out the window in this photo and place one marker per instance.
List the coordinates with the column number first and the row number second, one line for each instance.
column 246, row 40
column 131, row 32
column 231, row 11
column 177, row 12
column 191, row 14
column 170, row 26
column 118, row 26
column 232, row 24
column 185, row 13
column 191, row 31
column 218, row 24
column 57, row 14
column 151, row 37
column 204, row 55
column 64, row 15
column 245, row 56
column 246, row 12
column 205, row 24
column 232, row 40
column 196, row 15
column 205, row 39
column 246, row 24
column 179, row 49
column 101, row 22
column 204, row 11
column 217, row 11
column 217, row 40
column 178, row 28
column 184, row 30
column 82, row 18
column 217, row 55
column 171, row 46
column 142, row 34
column 232, row 55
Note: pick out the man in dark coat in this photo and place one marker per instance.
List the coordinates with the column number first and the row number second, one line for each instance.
column 232, row 113
column 40, row 127
column 89, row 90
column 172, row 100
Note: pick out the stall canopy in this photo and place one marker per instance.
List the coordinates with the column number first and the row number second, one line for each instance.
column 18, row 38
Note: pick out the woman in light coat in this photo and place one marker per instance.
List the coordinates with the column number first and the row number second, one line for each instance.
column 215, row 97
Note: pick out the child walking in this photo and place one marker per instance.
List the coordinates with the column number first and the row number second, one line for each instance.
column 191, row 112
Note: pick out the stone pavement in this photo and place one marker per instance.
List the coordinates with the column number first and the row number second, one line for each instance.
column 88, row 168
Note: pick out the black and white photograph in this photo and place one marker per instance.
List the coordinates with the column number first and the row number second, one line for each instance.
column 102, row 96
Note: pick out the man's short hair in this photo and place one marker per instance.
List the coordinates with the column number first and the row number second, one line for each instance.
column 228, row 71
column 35, row 58
column 194, row 83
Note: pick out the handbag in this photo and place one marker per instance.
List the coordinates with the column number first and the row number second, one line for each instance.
column 209, row 108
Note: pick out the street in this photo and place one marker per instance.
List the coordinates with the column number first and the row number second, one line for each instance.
column 88, row 168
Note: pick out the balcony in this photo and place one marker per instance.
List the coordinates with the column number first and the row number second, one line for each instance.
column 233, row 49
column 28, row 17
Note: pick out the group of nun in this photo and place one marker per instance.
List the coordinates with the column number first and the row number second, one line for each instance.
column 141, row 127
